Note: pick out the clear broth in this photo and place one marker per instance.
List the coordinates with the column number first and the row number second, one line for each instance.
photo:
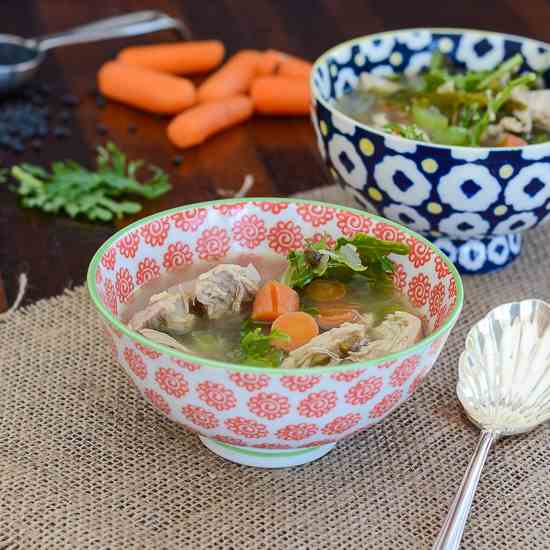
column 220, row 339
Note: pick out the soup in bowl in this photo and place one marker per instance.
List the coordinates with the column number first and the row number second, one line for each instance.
column 274, row 328
column 444, row 130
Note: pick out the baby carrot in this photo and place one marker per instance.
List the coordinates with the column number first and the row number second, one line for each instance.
column 295, row 67
column 234, row 77
column 145, row 89
column 178, row 58
column 275, row 62
column 270, row 62
column 299, row 326
column 280, row 95
column 199, row 123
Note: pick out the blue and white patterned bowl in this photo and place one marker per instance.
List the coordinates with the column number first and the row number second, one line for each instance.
column 472, row 202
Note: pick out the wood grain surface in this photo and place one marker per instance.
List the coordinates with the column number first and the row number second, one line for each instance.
column 280, row 153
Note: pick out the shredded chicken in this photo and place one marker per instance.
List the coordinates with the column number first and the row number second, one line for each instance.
column 397, row 332
column 379, row 83
column 367, row 319
column 225, row 288
column 533, row 110
column 536, row 102
column 164, row 339
column 380, row 120
column 169, row 310
column 328, row 348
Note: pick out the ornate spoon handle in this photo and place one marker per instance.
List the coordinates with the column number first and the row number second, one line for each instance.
column 451, row 533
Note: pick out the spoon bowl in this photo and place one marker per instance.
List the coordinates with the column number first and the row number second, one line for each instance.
column 15, row 75
column 504, row 387
column 504, row 372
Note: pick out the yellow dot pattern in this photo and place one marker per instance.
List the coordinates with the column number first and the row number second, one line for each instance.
column 396, row 58
column 360, row 59
column 445, row 45
column 506, row 171
column 324, row 127
column 366, row 146
column 434, row 208
column 374, row 194
column 500, row 210
column 430, row 165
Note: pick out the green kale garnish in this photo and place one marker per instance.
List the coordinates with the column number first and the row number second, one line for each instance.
column 362, row 255
column 76, row 191
column 256, row 347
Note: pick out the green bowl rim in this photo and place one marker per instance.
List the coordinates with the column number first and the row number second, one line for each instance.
column 106, row 313
column 450, row 30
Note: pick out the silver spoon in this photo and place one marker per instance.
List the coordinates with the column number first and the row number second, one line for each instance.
column 504, row 387
column 15, row 75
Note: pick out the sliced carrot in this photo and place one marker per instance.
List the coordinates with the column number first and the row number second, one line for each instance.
column 335, row 316
column 322, row 290
column 235, row 77
column 177, row 57
column 274, row 299
column 276, row 62
column 145, row 89
column 299, row 326
column 199, row 123
column 280, row 95
column 511, row 140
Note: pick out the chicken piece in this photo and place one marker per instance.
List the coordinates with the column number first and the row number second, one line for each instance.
column 367, row 319
column 164, row 339
column 384, row 86
column 521, row 122
column 538, row 102
column 226, row 287
column 536, row 107
column 166, row 311
column 328, row 348
column 516, row 125
column 396, row 332
column 380, row 120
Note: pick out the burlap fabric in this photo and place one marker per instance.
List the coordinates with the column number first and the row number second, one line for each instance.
column 86, row 463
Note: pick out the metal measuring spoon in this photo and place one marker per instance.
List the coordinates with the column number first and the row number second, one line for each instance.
column 32, row 50
column 504, row 387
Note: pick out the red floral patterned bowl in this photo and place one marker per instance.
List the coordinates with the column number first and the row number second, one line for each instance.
column 257, row 416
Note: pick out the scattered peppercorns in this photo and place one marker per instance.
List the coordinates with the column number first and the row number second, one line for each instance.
column 70, row 100
column 32, row 114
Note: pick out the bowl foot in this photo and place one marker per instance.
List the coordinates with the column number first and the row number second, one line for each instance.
column 265, row 458
column 481, row 255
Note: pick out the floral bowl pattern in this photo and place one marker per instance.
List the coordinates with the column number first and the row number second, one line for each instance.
column 261, row 416
column 472, row 202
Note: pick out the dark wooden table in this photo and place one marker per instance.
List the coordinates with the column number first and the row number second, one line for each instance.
column 280, row 153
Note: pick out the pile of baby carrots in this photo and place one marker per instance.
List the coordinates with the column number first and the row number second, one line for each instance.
column 152, row 78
